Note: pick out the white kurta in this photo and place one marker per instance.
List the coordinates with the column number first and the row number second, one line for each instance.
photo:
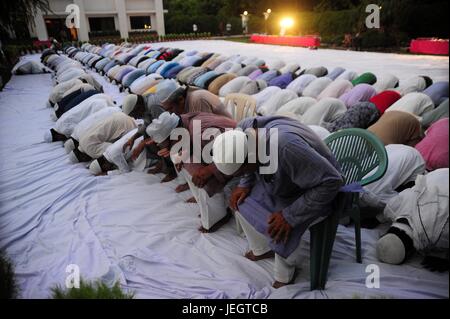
column 414, row 103
column 297, row 106
column 265, row 94
column 415, row 84
column 70, row 74
column 93, row 120
column 234, row 85
column 385, row 82
column 425, row 206
column 336, row 89
column 114, row 154
column 404, row 164
column 67, row 122
column 316, row 87
column 60, row 89
column 326, row 110
column 276, row 101
column 95, row 141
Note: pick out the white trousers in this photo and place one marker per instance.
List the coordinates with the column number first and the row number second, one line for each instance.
column 284, row 268
column 212, row 209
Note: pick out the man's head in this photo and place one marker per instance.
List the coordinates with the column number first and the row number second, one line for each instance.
column 101, row 165
column 134, row 106
column 230, row 153
column 160, row 128
column 175, row 102
column 396, row 245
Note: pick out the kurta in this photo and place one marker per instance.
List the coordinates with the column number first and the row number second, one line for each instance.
column 282, row 81
column 438, row 92
column 300, row 83
column 198, row 100
column 207, row 121
column 67, row 122
column 275, row 102
column 361, row 115
column 384, row 100
column 60, row 89
column 426, row 208
column 397, row 127
column 95, row 141
column 386, row 82
column 415, row 84
column 234, row 85
column 265, row 94
column 360, row 93
column 334, row 74
column 434, row 146
column 72, row 100
column 93, row 120
column 304, row 186
column 297, row 106
column 324, row 111
column 366, row 78
column 253, row 87
column 435, row 115
column 414, row 103
column 336, row 89
column 316, row 87
column 404, row 164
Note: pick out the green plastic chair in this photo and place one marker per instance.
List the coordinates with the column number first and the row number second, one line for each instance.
column 358, row 152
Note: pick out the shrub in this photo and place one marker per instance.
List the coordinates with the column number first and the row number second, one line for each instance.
column 91, row 290
column 8, row 286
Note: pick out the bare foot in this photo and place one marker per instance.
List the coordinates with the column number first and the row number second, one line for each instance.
column 191, row 200
column 168, row 178
column 216, row 226
column 279, row 284
column 157, row 169
column 181, row 188
column 253, row 257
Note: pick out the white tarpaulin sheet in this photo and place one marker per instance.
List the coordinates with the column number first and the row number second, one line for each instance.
column 133, row 229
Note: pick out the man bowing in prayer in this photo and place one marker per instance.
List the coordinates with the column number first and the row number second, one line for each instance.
column 275, row 208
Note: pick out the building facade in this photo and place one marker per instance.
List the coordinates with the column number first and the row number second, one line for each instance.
column 99, row 17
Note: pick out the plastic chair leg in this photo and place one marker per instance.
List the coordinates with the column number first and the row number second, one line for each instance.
column 321, row 246
column 357, row 221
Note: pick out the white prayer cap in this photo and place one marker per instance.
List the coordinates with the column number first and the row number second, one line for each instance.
column 95, row 168
column 53, row 116
column 390, row 249
column 69, row 145
column 165, row 88
column 48, row 137
column 73, row 158
column 159, row 130
column 229, row 151
column 174, row 95
column 129, row 102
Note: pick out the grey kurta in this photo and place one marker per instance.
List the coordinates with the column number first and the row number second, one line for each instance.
column 303, row 187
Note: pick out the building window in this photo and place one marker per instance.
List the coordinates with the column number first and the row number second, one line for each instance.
column 102, row 24
column 140, row 22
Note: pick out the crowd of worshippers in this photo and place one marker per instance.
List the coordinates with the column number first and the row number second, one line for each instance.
column 169, row 88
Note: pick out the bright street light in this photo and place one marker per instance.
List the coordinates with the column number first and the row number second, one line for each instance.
column 286, row 22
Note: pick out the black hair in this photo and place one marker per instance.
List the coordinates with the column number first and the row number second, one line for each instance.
column 406, row 240
column 105, row 165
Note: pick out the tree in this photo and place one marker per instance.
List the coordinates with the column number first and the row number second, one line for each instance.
column 18, row 14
